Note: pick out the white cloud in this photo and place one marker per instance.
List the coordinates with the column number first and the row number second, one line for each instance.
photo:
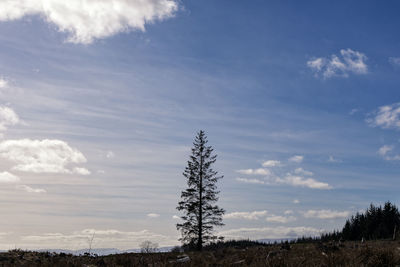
column 102, row 239
column 296, row 201
column 317, row 63
column 387, row 117
column 81, row 171
column 350, row 61
column 396, row 157
column 293, row 180
column 326, row 214
column 30, row 189
column 110, row 154
column 287, row 212
column 7, row 118
column 250, row 181
column 383, row 150
column 271, row 163
column 395, row 61
column 353, row 111
column 270, row 232
column 175, row 217
column 299, row 177
column 355, row 61
column 303, row 182
column 42, row 156
column 280, row 219
column 296, row 158
column 332, row 159
column 6, row 177
column 87, row 20
column 153, row 215
column 301, row 171
column 255, row 171
column 3, row 83
column 254, row 215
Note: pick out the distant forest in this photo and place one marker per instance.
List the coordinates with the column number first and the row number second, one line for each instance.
column 375, row 223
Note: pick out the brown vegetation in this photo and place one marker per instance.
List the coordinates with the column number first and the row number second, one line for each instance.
column 372, row 253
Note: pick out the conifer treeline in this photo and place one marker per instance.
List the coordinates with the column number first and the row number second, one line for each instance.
column 376, row 223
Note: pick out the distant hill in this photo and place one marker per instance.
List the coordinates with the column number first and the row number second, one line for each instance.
column 111, row 251
column 100, row 251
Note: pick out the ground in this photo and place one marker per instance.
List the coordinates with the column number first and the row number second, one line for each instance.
column 371, row 253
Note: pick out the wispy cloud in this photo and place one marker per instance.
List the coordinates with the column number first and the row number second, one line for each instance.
column 254, row 215
column 292, row 180
column 296, row 158
column 301, row 171
column 326, row 214
column 395, row 157
column 296, row 201
column 3, row 83
column 110, row 155
column 153, row 215
column 42, row 156
column 383, row 150
column 280, row 219
column 30, row 189
column 6, row 177
column 300, row 181
column 86, row 21
column 333, row 160
column 300, row 178
column 254, row 171
column 349, row 61
column 354, row 111
column 250, row 181
column 8, row 117
column 80, row 171
column 394, row 61
column 271, row 163
column 386, row 117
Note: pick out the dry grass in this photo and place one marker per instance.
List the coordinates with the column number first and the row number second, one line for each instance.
column 373, row 253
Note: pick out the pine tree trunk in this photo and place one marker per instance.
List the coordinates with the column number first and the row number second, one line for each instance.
column 200, row 241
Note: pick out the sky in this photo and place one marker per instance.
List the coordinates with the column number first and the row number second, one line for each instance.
column 100, row 101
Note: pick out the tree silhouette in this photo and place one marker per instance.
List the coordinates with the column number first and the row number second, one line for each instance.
column 201, row 214
column 376, row 222
column 148, row 247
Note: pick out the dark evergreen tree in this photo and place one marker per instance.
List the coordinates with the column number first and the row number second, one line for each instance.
column 198, row 201
column 375, row 223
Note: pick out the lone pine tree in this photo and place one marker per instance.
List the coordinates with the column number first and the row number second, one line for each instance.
column 201, row 214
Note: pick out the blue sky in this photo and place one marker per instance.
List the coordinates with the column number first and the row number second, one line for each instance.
column 98, row 111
